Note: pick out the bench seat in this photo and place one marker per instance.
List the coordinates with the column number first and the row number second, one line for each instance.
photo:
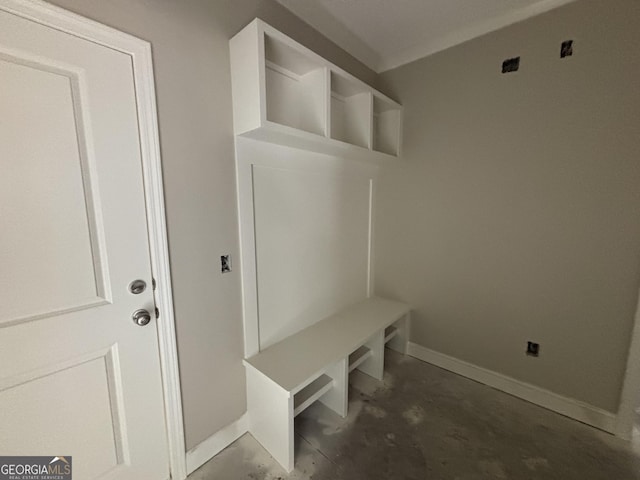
column 314, row 364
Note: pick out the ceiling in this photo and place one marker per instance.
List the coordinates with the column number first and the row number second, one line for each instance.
column 384, row 34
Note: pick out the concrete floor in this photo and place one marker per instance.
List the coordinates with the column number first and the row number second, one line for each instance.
column 425, row 423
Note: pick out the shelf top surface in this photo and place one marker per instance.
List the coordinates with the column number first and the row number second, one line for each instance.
column 273, row 132
column 291, row 362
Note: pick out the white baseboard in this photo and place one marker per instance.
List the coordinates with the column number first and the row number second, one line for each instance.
column 205, row 451
column 569, row 407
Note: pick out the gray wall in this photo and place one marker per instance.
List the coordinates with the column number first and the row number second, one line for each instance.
column 190, row 49
column 515, row 213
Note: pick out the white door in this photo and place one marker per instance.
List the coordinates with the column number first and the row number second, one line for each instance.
column 77, row 376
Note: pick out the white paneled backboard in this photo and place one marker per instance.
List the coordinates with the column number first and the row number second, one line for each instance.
column 306, row 223
column 312, row 236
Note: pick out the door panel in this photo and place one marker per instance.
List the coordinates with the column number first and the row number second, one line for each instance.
column 43, row 398
column 77, row 376
column 43, row 202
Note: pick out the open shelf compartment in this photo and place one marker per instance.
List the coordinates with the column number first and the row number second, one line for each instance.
column 285, row 94
column 358, row 357
column 386, row 126
column 390, row 332
column 296, row 86
column 351, row 111
column 312, row 392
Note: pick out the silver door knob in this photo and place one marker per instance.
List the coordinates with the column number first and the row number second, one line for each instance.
column 141, row 317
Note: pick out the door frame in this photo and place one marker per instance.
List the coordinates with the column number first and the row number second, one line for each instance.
column 140, row 52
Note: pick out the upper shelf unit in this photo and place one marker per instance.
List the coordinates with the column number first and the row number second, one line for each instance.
column 285, row 93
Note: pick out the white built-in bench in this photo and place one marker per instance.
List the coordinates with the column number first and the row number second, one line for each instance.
column 314, row 364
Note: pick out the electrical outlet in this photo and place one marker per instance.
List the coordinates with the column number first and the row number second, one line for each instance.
column 511, row 65
column 533, row 349
column 225, row 263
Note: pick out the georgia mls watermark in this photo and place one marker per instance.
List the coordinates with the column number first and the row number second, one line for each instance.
column 35, row 468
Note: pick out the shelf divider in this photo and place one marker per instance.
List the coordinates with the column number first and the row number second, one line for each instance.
column 390, row 332
column 312, row 392
column 358, row 357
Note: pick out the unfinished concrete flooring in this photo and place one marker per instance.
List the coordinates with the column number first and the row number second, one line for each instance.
column 425, row 423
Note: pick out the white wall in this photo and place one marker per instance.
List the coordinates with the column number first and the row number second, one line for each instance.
column 514, row 215
column 191, row 60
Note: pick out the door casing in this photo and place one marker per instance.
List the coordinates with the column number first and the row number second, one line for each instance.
column 141, row 60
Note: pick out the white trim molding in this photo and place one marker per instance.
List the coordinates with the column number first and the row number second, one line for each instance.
column 316, row 15
column 323, row 20
column 467, row 33
column 141, row 60
column 205, row 451
column 569, row 407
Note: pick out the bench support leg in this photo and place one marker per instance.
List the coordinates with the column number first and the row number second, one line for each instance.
column 337, row 398
column 400, row 341
column 271, row 417
column 374, row 366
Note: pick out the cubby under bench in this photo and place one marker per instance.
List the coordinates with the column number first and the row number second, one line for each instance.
column 314, row 364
